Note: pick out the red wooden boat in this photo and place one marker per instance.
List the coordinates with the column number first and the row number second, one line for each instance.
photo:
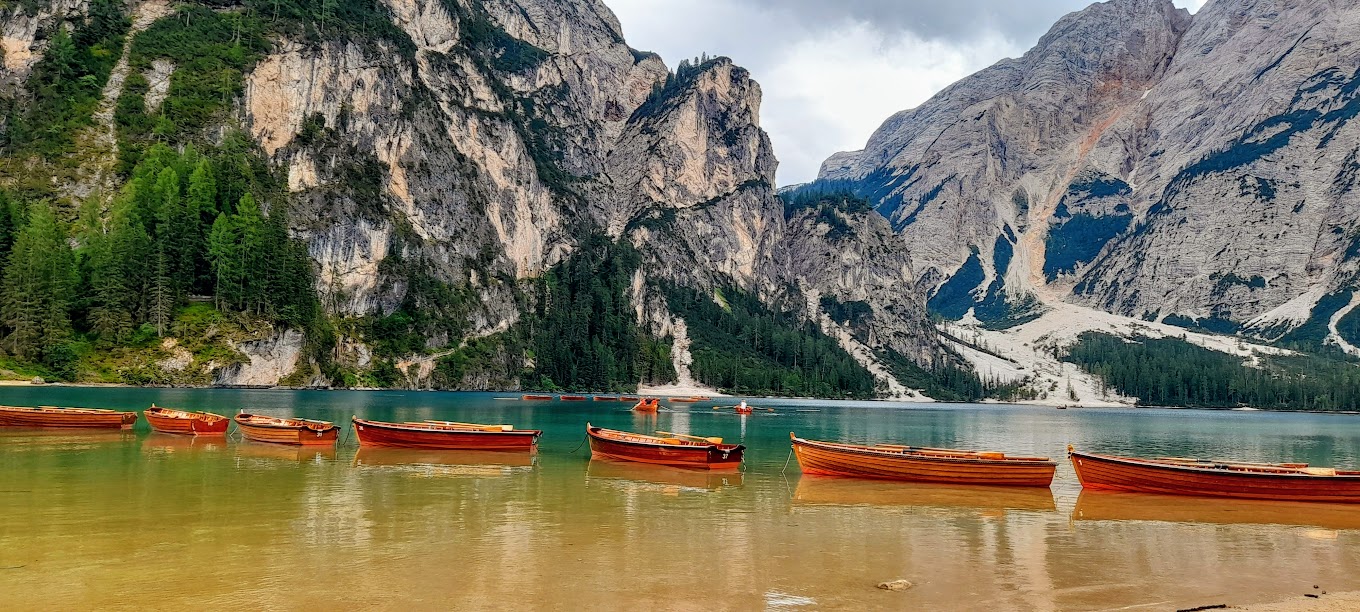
column 744, row 408
column 647, row 404
column 629, row 398
column 1180, row 476
column 674, row 449
column 572, row 398
column 605, row 398
column 536, row 398
column 301, row 432
column 683, row 400
column 169, row 420
column 918, row 464
column 50, row 416
column 444, row 435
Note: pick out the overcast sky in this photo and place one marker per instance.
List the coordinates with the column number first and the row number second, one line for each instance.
column 833, row 70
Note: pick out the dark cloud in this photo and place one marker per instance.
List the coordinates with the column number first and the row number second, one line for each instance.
column 1023, row 21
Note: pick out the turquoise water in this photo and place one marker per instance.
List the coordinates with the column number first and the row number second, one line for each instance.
column 100, row 520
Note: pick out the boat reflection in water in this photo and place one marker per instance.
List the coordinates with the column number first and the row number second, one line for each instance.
column 64, row 439
column 665, row 479
column 249, row 449
column 1095, row 505
column 445, row 463
column 169, row 444
column 833, row 491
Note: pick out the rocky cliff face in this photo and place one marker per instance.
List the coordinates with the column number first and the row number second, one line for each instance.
column 1141, row 161
column 442, row 164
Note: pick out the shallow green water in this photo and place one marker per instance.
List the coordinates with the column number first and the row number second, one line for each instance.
column 141, row 520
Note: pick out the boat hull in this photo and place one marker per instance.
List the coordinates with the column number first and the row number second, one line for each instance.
column 1103, row 472
column 60, row 418
column 825, row 459
column 392, row 435
column 291, row 435
column 187, row 423
column 712, row 456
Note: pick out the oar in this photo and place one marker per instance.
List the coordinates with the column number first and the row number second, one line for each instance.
column 714, row 440
column 1241, row 463
column 1274, row 468
column 474, row 425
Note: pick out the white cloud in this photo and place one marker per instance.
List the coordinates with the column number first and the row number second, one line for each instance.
column 829, row 82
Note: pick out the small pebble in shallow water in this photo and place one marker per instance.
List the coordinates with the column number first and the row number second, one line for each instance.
column 895, row 585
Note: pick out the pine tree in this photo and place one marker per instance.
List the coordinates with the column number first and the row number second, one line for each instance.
column 223, row 243
column 37, row 287
column 251, row 255
column 201, row 207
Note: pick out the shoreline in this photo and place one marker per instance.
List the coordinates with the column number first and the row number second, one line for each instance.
column 691, row 391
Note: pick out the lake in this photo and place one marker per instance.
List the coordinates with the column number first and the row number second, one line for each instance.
column 137, row 520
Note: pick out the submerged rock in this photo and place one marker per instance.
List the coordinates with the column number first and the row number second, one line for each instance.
column 895, row 585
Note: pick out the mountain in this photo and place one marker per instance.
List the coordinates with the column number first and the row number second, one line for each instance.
column 1197, row 171
column 448, row 193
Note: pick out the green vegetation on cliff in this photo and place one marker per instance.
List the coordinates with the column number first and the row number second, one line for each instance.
column 185, row 223
column 585, row 333
column 743, row 346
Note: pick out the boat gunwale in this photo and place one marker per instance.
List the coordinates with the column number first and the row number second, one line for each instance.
column 67, row 410
column 1210, row 469
column 435, row 429
column 960, row 458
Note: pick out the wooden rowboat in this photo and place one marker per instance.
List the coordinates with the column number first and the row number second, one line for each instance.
column 683, row 400
column 171, row 421
column 918, row 464
column 628, row 398
column 647, row 404
column 444, row 435
column 71, row 418
column 674, row 449
column 605, row 398
column 1180, row 476
column 299, row 432
column 536, row 398
column 572, row 398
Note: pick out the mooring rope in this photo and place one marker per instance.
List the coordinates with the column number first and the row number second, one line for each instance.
column 786, row 461
column 583, row 443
